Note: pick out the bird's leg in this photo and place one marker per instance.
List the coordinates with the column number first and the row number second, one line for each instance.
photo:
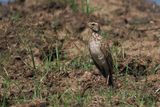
column 107, row 80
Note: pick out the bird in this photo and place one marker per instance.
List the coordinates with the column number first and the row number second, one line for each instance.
column 100, row 53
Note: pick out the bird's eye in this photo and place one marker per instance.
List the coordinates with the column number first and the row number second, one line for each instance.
column 93, row 24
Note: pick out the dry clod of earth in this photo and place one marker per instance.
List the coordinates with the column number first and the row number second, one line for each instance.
column 97, row 101
column 36, row 103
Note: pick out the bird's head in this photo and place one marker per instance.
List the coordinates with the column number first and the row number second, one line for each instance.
column 94, row 26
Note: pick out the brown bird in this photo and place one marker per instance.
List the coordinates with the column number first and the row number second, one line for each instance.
column 100, row 53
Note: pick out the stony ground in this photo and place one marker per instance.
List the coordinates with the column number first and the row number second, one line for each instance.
column 44, row 58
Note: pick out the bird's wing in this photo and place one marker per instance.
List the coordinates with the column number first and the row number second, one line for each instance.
column 106, row 51
column 109, row 61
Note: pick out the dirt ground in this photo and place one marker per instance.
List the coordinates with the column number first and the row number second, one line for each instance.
column 44, row 59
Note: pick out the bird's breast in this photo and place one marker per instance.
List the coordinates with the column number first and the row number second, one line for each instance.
column 96, row 51
column 94, row 47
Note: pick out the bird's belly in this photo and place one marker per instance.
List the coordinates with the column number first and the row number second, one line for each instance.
column 95, row 48
column 97, row 53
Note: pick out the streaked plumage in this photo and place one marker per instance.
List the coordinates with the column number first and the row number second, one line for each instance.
column 100, row 53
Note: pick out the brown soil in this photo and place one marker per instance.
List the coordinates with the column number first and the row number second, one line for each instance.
column 41, row 30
